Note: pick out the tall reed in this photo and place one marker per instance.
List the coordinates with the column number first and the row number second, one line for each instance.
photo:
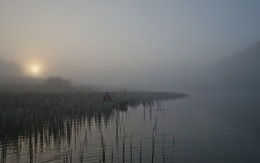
column 131, row 150
column 123, row 151
column 103, row 148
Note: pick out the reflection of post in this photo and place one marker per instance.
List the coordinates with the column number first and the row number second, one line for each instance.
column 31, row 148
column 112, row 154
column 124, row 148
column 153, row 142
column 163, row 150
column 103, row 147
column 173, row 145
column 131, row 150
column 140, row 150
column 173, row 141
column 35, row 142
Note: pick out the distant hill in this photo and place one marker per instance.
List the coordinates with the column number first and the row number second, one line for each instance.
column 9, row 68
column 11, row 73
column 240, row 71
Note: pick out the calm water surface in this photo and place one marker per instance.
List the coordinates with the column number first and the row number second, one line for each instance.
column 220, row 127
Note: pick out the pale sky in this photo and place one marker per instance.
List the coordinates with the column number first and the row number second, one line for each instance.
column 124, row 42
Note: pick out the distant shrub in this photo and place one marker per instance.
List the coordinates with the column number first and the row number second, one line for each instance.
column 57, row 83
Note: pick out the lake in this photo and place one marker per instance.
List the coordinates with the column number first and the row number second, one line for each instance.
column 206, row 127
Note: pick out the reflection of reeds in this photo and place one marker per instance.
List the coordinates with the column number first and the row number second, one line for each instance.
column 173, row 146
column 153, row 146
column 123, row 151
column 103, row 148
column 153, row 139
column 19, row 111
column 81, row 150
column 99, row 158
column 163, row 150
column 83, row 145
column 112, row 154
column 47, row 116
column 131, row 150
column 67, row 156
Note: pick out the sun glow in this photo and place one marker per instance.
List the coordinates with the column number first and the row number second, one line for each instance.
column 35, row 69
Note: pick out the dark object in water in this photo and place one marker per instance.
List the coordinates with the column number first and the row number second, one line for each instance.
column 173, row 141
column 107, row 97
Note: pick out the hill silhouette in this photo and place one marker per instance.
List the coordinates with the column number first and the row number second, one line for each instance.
column 240, row 71
column 9, row 68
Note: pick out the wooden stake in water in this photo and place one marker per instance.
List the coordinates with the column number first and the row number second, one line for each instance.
column 131, row 150
column 103, row 148
column 163, row 150
column 140, row 151
column 124, row 149
column 112, row 155
column 153, row 145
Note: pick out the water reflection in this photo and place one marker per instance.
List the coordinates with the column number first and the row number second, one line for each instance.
column 198, row 129
column 64, row 127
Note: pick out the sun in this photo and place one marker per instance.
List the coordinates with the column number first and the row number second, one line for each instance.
column 35, row 69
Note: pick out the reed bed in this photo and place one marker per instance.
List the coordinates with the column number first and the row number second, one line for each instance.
column 21, row 114
column 45, row 115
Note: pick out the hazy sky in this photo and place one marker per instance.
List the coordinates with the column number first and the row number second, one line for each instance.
column 124, row 42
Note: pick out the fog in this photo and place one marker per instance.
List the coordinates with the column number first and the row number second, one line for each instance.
column 147, row 45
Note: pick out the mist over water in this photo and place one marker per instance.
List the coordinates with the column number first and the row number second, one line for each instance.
column 150, row 45
column 182, row 78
